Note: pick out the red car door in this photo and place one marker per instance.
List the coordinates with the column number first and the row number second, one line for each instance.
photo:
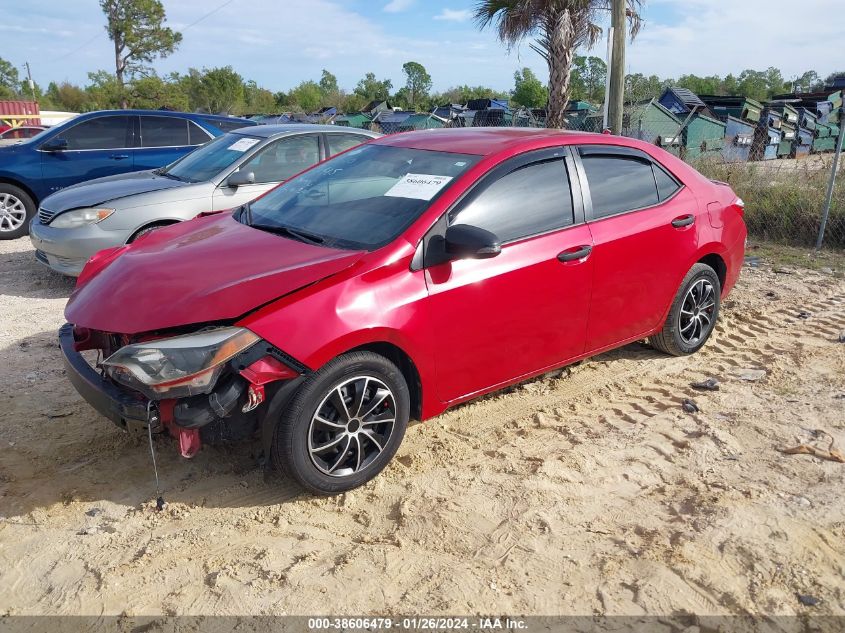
column 645, row 226
column 495, row 320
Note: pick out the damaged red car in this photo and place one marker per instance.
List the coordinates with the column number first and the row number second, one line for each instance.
column 397, row 279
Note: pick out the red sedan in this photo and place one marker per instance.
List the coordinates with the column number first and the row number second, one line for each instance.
column 395, row 280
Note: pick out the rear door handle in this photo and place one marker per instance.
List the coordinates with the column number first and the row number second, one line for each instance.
column 684, row 220
column 119, row 156
column 581, row 252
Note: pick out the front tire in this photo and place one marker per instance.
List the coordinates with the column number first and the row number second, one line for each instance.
column 693, row 314
column 16, row 210
column 344, row 424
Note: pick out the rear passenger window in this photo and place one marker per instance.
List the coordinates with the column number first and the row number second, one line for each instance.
column 529, row 200
column 666, row 185
column 619, row 183
column 162, row 131
column 341, row 142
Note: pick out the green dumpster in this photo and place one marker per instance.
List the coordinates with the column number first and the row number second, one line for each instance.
column 743, row 108
column 702, row 137
column 653, row 123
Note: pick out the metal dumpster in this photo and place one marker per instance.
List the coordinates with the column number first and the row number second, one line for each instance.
column 703, row 136
column 743, row 108
column 739, row 137
column 803, row 143
column 823, row 141
column 653, row 123
column 766, row 136
column 788, row 134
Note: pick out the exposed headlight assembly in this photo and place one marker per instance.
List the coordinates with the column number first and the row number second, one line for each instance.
column 179, row 366
column 80, row 217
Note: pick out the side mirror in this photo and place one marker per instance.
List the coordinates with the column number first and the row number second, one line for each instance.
column 464, row 241
column 55, row 145
column 240, row 178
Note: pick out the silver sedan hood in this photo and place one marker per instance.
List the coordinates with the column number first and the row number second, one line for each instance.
column 102, row 190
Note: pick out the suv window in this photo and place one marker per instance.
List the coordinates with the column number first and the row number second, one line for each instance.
column 341, row 142
column 531, row 199
column 106, row 132
column 163, row 131
column 666, row 185
column 197, row 135
column 227, row 126
column 619, row 183
column 284, row 158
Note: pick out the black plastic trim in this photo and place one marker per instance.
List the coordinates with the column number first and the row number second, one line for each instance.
column 115, row 403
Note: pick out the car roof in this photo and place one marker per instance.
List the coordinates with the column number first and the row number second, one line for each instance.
column 267, row 131
column 193, row 115
column 483, row 141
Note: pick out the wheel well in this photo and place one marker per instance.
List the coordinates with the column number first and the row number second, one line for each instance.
column 718, row 264
column 398, row 357
column 20, row 185
column 157, row 223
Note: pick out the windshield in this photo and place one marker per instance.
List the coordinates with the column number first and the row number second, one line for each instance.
column 362, row 199
column 205, row 162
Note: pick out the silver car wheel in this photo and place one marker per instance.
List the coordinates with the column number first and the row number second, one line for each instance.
column 351, row 426
column 12, row 213
column 696, row 317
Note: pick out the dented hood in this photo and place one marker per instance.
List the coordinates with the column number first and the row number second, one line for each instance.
column 209, row 269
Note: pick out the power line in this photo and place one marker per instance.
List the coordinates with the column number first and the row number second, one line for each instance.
column 209, row 14
column 194, row 23
column 80, row 47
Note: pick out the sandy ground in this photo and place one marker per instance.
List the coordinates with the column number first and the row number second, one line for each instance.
column 588, row 491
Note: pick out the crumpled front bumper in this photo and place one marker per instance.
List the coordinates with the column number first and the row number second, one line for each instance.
column 118, row 405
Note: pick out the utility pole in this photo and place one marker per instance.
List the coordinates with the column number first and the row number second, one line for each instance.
column 617, row 66
column 828, row 199
column 31, row 83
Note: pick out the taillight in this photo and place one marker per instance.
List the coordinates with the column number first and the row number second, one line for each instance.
column 739, row 205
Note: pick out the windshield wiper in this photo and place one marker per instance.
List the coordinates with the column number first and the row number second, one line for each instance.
column 297, row 234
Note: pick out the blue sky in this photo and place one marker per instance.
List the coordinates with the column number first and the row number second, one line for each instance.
column 282, row 42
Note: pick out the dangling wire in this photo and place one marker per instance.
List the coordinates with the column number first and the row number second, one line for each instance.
column 159, row 498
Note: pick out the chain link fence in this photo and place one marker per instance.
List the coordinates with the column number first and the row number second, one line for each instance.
column 778, row 158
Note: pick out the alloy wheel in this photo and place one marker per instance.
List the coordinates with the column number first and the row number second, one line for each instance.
column 351, row 426
column 12, row 213
column 696, row 317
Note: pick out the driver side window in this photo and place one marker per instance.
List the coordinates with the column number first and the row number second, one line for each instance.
column 284, row 158
column 530, row 200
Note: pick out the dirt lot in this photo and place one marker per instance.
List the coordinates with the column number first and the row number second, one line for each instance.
column 586, row 491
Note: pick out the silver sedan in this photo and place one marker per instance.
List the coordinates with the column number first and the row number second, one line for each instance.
column 74, row 223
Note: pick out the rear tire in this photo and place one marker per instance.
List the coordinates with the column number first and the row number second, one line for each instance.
column 344, row 424
column 16, row 210
column 693, row 315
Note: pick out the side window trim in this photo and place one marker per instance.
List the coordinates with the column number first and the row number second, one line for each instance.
column 615, row 150
column 497, row 171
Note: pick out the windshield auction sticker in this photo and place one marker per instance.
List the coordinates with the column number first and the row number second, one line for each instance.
column 243, row 144
column 418, row 186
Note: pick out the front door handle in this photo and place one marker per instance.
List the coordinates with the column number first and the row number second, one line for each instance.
column 684, row 220
column 119, row 156
column 581, row 252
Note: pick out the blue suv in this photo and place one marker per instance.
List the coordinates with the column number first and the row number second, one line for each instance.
column 93, row 145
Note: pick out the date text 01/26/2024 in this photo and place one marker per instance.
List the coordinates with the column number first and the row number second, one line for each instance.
column 417, row 624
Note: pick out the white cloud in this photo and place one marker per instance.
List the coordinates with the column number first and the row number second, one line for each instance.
column 454, row 15
column 396, row 6
column 708, row 38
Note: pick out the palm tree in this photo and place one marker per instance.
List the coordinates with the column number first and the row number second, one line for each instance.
column 560, row 27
